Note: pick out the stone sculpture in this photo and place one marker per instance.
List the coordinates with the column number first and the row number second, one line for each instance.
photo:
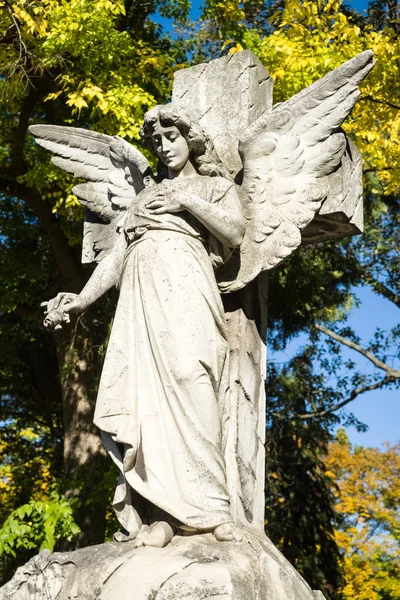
column 240, row 185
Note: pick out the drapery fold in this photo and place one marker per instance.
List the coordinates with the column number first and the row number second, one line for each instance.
column 163, row 398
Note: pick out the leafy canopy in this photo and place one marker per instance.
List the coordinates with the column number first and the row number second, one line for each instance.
column 367, row 498
column 311, row 38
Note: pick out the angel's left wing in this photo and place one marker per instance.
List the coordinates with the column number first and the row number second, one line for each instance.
column 287, row 153
column 114, row 171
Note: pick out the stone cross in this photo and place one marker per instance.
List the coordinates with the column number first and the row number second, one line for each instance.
column 226, row 96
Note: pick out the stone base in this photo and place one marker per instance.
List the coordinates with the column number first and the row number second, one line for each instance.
column 193, row 568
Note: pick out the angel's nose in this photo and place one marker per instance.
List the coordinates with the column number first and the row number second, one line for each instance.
column 165, row 145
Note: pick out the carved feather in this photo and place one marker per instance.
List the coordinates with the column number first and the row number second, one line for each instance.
column 81, row 169
column 286, row 154
column 114, row 172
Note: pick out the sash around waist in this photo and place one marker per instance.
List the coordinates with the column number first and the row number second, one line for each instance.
column 141, row 234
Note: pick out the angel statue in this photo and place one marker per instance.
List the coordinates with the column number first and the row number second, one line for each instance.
column 172, row 242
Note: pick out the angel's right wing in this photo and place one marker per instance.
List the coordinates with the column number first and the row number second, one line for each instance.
column 288, row 154
column 114, row 172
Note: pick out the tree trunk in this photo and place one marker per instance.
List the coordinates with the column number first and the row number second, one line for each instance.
column 84, row 457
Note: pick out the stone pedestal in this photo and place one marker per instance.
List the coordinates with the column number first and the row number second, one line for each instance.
column 191, row 568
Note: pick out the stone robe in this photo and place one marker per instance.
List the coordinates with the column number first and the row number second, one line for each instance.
column 163, row 398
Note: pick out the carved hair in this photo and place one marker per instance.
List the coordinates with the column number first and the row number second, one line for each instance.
column 201, row 148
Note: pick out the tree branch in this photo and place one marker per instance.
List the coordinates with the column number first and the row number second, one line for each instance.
column 376, row 101
column 382, row 289
column 378, row 170
column 23, row 52
column 390, row 373
column 353, row 395
column 17, row 151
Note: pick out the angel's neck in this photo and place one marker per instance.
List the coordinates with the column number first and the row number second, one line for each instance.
column 187, row 171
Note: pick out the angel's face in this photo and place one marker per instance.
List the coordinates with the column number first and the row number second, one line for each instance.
column 171, row 147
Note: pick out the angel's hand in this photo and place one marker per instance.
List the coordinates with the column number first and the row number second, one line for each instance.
column 66, row 301
column 166, row 200
column 58, row 309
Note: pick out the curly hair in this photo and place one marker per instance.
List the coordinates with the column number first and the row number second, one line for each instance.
column 201, row 148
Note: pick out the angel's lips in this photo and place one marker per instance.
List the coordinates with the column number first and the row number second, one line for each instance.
column 167, row 160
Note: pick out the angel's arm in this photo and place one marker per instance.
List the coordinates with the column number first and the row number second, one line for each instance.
column 224, row 219
column 104, row 277
column 226, row 225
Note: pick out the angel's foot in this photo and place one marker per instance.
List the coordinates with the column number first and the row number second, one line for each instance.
column 141, row 536
column 125, row 536
column 228, row 532
column 158, row 535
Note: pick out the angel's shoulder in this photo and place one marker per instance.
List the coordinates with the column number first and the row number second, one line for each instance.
column 209, row 188
column 217, row 186
column 221, row 182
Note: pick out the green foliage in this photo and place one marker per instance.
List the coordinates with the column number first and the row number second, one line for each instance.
column 299, row 300
column 38, row 525
column 384, row 13
column 312, row 38
column 26, row 469
column 367, row 497
column 377, row 251
column 299, row 494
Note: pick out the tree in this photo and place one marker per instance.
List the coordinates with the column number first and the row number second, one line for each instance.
column 299, row 500
column 367, row 499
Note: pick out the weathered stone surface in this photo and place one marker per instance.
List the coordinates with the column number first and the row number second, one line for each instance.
column 341, row 214
column 207, row 91
column 247, row 377
column 191, row 568
column 225, row 96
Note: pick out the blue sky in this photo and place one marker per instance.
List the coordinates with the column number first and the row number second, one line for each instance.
column 359, row 5
column 379, row 410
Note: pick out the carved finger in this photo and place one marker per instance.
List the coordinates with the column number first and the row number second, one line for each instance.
column 53, row 303
column 155, row 204
column 45, row 306
column 159, row 196
column 71, row 306
column 69, row 300
column 161, row 211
